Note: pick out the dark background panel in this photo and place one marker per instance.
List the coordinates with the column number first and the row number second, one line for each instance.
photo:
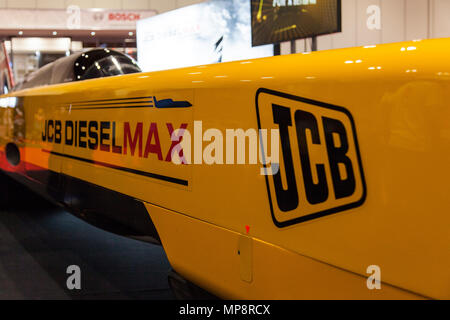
column 272, row 23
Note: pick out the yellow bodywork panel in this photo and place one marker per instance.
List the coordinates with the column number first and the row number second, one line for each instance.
column 362, row 177
column 276, row 273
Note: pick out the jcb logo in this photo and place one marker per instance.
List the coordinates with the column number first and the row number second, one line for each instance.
column 320, row 169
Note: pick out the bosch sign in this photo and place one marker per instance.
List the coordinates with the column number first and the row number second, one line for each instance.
column 121, row 16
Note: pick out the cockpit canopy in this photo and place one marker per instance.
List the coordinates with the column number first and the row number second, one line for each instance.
column 96, row 63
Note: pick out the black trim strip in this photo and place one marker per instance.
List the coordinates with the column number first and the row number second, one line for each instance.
column 112, row 103
column 149, row 103
column 118, row 99
column 112, row 166
column 119, row 107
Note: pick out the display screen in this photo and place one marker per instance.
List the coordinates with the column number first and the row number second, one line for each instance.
column 205, row 33
column 275, row 21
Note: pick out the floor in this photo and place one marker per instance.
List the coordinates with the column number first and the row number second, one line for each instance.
column 38, row 242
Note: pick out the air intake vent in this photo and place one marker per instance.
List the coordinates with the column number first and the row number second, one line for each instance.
column 12, row 154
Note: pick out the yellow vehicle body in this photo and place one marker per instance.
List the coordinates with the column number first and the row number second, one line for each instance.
column 221, row 225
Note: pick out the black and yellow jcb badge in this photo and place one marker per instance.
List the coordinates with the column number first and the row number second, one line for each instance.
column 320, row 171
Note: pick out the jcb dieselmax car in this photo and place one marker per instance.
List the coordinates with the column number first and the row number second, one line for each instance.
column 357, row 206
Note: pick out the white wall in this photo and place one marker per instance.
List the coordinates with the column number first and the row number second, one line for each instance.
column 159, row 5
column 401, row 20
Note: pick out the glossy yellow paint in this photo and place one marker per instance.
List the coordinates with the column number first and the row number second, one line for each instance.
column 276, row 273
column 398, row 97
